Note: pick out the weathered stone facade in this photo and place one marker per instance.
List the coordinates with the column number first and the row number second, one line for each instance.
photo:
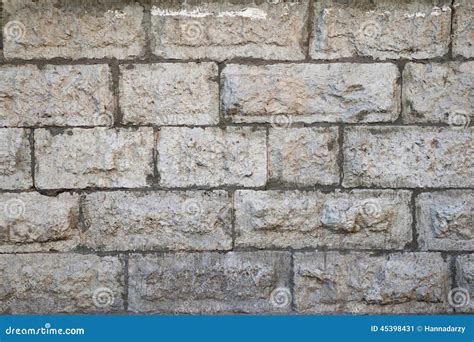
column 237, row 156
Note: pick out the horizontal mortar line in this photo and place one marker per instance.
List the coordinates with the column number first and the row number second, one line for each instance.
column 374, row 252
column 297, row 124
column 320, row 188
column 262, row 125
column 235, row 312
column 243, row 61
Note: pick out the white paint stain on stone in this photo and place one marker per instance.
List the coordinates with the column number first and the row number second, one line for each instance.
column 437, row 10
column 252, row 13
column 117, row 14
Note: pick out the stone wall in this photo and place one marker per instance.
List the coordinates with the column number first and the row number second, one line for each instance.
column 235, row 156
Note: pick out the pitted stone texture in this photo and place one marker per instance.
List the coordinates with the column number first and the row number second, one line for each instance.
column 33, row 222
column 362, row 283
column 408, row 157
column 340, row 92
column 73, row 29
column 463, row 27
column 210, row 282
column 445, row 220
column 193, row 220
column 212, row 156
column 464, row 281
column 434, row 93
column 15, row 159
column 81, row 158
column 222, row 30
column 382, row 30
column 304, row 156
column 66, row 283
column 170, row 94
column 56, row 95
column 357, row 219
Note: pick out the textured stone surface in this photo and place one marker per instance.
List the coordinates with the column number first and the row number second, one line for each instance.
column 170, row 94
column 33, row 222
column 464, row 299
column 59, row 95
column 438, row 93
column 445, row 220
column 408, row 157
column 15, row 159
column 303, row 155
column 358, row 219
column 80, row 158
column 383, row 29
column 463, row 27
column 362, row 283
column 69, row 283
column 211, row 156
column 341, row 92
column 209, row 282
column 166, row 220
column 236, row 156
column 223, row 30
column 73, row 29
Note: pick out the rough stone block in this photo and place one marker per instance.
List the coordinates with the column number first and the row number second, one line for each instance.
column 362, row 283
column 32, row 222
column 170, row 94
column 463, row 28
column 286, row 93
column 382, row 30
column 56, row 95
column 360, row 219
column 15, row 159
column 462, row 296
column 210, row 282
column 408, row 157
column 66, row 283
column 212, row 156
column 445, row 220
column 73, row 29
column 98, row 157
column 438, row 93
column 193, row 220
column 304, row 156
column 222, row 30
